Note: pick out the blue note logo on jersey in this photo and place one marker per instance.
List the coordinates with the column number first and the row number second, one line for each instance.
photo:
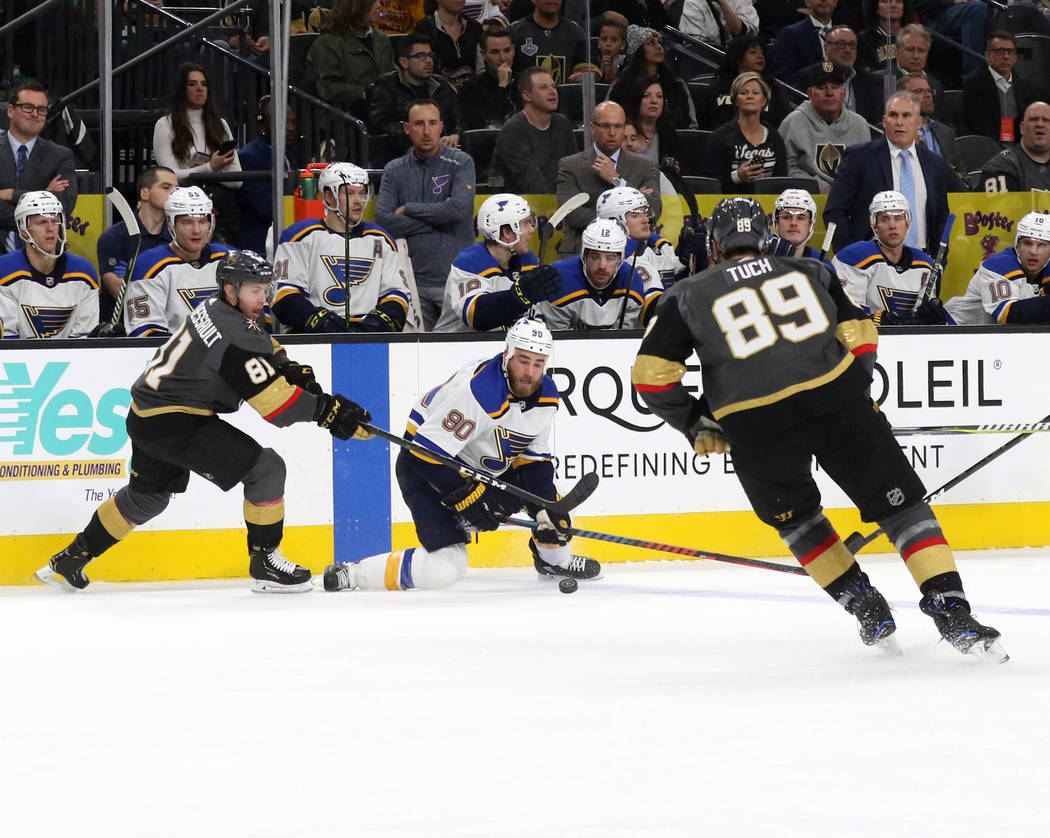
column 440, row 182
column 358, row 270
column 898, row 300
column 511, row 445
column 193, row 297
column 48, row 321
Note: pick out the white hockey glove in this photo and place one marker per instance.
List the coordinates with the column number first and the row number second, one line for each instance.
column 707, row 437
column 553, row 531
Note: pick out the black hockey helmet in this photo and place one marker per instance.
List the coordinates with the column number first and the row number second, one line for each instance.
column 738, row 224
column 240, row 266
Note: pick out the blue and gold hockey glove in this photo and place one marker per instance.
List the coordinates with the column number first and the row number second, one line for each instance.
column 553, row 530
column 473, row 504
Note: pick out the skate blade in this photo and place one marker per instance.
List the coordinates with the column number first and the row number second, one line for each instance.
column 989, row 651
column 264, row 586
column 889, row 646
column 49, row 577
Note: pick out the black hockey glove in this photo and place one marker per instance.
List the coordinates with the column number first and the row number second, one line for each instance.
column 692, row 248
column 779, row 246
column 476, row 505
column 553, row 530
column 707, row 437
column 108, row 330
column 301, row 375
column 931, row 313
column 342, row 417
column 885, row 317
column 542, row 283
column 324, row 320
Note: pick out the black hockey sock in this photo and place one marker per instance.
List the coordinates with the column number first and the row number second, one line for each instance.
column 96, row 538
column 945, row 583
column 843, row 583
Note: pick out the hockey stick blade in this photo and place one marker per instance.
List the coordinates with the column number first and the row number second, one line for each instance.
column 669, row 548
column 547, row 230
column 127, row 215
column 583, row 489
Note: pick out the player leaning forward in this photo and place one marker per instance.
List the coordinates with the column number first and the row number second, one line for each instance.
column 786, row 361
column 219, row 357
column 496, row 417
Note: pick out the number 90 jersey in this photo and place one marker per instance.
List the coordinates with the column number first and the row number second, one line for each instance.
column 475, row 418
column 777, row 340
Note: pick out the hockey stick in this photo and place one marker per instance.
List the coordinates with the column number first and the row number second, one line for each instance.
column 668, row 548
column 344, row 189
column 1003, row 428
column 583, row 489
column 829, row 236
column 856, row 542
column 933, row 277
column 693, row 219
column 127, row 215
column 576, row 201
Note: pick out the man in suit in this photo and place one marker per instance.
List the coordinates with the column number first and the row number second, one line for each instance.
column 601, row 167
column 28, row 162
column 802, row 44
column 897, row 162
column 996, row 98
column 864, row 94
column 937, row 136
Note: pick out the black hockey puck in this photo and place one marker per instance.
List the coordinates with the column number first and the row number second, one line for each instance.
column 568, row 586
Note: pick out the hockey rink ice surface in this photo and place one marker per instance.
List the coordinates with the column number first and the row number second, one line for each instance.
column 666, row 699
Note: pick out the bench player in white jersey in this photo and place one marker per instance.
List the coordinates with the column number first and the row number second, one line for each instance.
column 884, row 275
column 494, row 416
column 494, row 282
column 313, row 270
column 171, row 280
column 1013, row 286
column 599, row 290
column 44, row 291
column 794, row 212
column 652, row 256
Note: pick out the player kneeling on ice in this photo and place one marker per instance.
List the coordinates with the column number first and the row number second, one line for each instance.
column 494, row 417
column 786, row 361
column 219, row 357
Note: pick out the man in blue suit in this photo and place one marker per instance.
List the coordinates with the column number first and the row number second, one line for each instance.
column 899, row 163
column 802, row 43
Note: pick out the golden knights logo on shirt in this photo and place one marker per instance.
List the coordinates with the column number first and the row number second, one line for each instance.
column 828, row 157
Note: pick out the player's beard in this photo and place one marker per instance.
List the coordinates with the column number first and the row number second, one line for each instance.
column 523, row 387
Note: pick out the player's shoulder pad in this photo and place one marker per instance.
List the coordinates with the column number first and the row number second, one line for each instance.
column 489, row 387
column 860, row 254
column 921, row 259
column 153, row 261
column 216, row 250
column 370, row 228
column 1003, row 263
column 13, row 266
column 632, row 246
column 77, row 267
column 656, row 241
column 476, row 259
column 301, row 229
column 528, row 260
column 548, row 394
column 572, row 279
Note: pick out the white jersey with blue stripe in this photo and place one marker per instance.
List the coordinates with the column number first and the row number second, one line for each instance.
column 581, row 306
column 874, row 284
column 474, row 273
column 657, row 264
column 995, row 286
column 61, row 304
column 475, row 418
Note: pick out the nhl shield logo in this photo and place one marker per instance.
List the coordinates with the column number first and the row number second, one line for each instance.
column 895, row 496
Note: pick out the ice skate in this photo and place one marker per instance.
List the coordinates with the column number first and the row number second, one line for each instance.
column 951, row 614
column 273, row 573
column 579, row 567
column 65, row 570
column 339, row 577
column 875, row 623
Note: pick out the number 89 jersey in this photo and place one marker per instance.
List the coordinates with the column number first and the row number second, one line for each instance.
column 777, row 340
column 475, row 418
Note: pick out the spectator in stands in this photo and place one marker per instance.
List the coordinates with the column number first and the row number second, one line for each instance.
column 863, row 89
column 718, row 21
column 532, row 142
column 896, row 162
column 454, row 39
column 597, row 168
column 965, row 21
column 612, row 45
column 748, row 148
column 115, row 248
column 1026, row 165
column 349, row 55
column 743, row 55
column 426, row 196
column 549, row 40
column 396, row 90
column 995, row 97
column 877, row 43
column 44, row 291
column 488, row 98
column 802, row 44
column 28, row 162
column 650, row 13
column 398, row 17
column 775, row 15
column 645, row 57
column 937, row 136
column 818, row 131
column 646, row 111
column 913, row 50
column 193, row 137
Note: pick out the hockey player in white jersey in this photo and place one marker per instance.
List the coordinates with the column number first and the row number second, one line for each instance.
column 884, row 275
column 171, row 280
column 44, row 291
column 599, row 288
column 1013, row 286
column 495, row 281
column 494, row 416
column 318, row 258
column 794, row 213
column 652, row 256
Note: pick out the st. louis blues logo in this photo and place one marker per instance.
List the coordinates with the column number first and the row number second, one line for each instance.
column 193, row 297
column 440, row 182
column 355, row 272
column 47, row 321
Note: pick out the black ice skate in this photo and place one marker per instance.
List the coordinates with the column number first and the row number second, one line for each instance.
column 66, row 569
column 579, row 567
column 875, row 623
column 273, row 573
column 339, row 577
column 951, row 614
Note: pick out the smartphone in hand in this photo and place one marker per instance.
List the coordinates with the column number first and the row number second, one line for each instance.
column 227, row 147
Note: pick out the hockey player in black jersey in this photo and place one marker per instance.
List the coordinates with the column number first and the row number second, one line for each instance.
column 786, row 362
column 218, row 358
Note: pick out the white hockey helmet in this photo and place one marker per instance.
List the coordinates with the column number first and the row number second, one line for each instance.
column 530, row 334
column 615, row 203
column 40, row 203
column 335, row 175
column 1034, row 225
column 188, row 200
column 888, row 201
column 500, row 210
column 605, row 235
column 795, row 199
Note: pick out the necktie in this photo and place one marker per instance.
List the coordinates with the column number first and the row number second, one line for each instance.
column 20, row 163
column 822, row 32
column 718, row 21
column 908, row 191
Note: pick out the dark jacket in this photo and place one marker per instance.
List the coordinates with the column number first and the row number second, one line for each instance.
column 46, row 160
column 983, row 114
column 797, row 46
column 456, row 60
column 342, row 67
column 484, row 104
column 390, row 97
